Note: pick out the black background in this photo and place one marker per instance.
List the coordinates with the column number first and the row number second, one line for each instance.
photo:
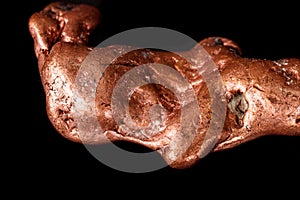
column 38, row 154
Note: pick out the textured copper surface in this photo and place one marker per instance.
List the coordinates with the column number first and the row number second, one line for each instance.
column 263, row 96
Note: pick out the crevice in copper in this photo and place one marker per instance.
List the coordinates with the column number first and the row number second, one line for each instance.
column 238, row 105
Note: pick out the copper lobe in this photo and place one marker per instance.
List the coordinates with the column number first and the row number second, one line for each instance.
column 263, row 96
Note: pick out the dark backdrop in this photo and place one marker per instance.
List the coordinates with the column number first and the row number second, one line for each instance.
column 269, row 31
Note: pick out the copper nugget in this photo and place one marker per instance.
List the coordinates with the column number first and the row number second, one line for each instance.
column 262, row 96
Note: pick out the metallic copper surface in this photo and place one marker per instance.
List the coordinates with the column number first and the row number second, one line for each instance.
column 262, row 96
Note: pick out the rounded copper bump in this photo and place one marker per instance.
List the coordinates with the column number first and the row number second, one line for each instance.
column 262, row 96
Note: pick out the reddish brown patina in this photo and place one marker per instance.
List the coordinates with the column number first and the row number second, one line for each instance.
column 262, row 96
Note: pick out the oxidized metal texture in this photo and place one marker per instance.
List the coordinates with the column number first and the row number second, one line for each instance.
column 263, row 96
